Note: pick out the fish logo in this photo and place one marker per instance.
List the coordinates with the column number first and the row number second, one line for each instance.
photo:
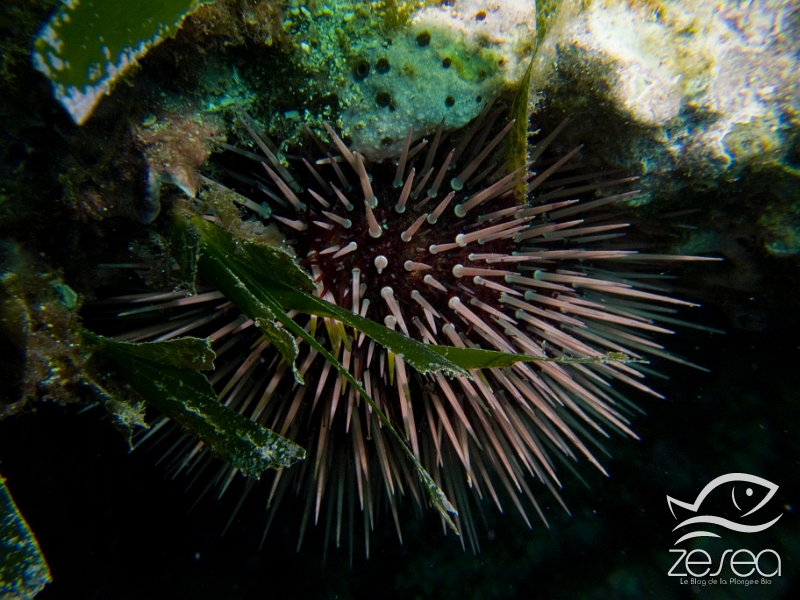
column 701, row 519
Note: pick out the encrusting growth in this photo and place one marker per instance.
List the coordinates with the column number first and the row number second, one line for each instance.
column 469, row 266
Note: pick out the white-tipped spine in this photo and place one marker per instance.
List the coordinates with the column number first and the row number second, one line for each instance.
column 290, row 195
column 345, row 202
column 319, row 198
column 348, row 155
column 434, row 189
column 458, row 182
column 294, row 224
column 380, row 262
column 374, row 228
column 434, row 216
column 437, row 248
column 351, row 247
column 366, row 186
column 356, row 287
column 431, row 281
column 387, row 294
column 462, row 271
column 409, row 233
column 346, row 223
column 400, row 207
column 410, row 265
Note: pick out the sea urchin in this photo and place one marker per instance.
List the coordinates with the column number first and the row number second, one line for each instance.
column 438, row 246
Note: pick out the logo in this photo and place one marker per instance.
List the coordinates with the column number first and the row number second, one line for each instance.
column 748, row 495
column 717, row 520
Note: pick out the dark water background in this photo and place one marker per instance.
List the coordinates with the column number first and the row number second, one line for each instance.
column 113, row 527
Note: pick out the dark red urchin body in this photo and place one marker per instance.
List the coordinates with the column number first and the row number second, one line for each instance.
column 409, row 263
column 440, row 247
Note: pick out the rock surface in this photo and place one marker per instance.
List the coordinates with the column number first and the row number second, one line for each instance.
column 693, row 96
column 445, row 63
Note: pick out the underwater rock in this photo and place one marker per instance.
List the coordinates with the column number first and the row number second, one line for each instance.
column 390, row 69
column 124, row 175
column 23, row 568
column 509, row 27
column 780, row 220
column 174, row 147
column 231, row 23
column 38, row 318
column 691, row 95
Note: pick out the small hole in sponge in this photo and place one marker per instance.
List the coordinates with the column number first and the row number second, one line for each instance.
column 361, row 69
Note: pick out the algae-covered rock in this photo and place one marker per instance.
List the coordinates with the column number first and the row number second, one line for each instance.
column 23, row 568
column 174, row 147
column 508, row 27
column 391, row 66
column 38, row 316
column 427, row 74
column 695, row 94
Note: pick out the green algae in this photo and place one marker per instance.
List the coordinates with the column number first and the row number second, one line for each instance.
column 23, row 568
column 250, row 276
column 88, row 44
column 546, row 11
column 518, row 138
column 472, row 64
column 166, row 374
